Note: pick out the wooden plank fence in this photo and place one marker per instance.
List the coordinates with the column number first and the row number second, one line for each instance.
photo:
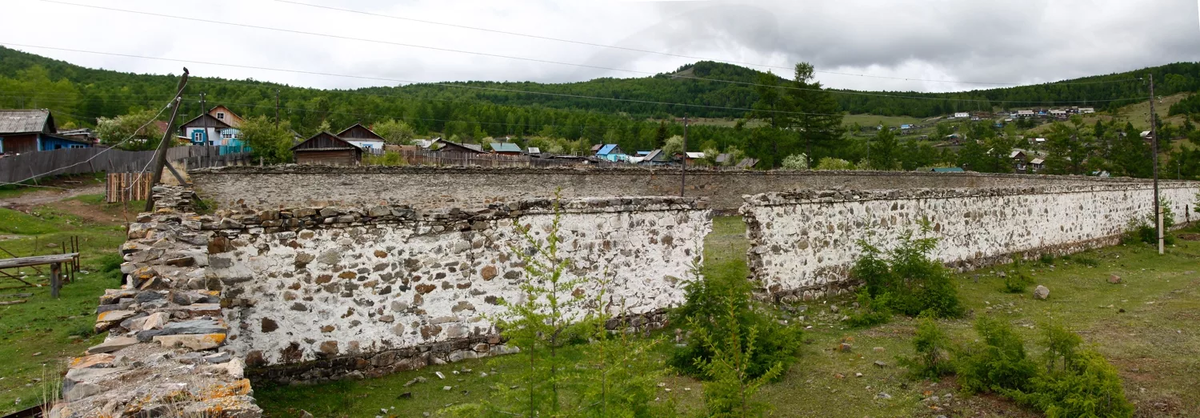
column 91, row 160
column 126, row 187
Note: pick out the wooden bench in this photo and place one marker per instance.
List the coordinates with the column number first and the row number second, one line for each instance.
column 54, row 260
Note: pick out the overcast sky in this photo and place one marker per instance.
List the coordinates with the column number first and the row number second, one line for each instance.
column 922, row 45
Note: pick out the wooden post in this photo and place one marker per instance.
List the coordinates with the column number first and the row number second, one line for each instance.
column 55, row 284
column 160, row 156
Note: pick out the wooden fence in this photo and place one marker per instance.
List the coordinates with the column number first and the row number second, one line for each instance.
column 428, row 158
column 125, row 187
column 91, row 160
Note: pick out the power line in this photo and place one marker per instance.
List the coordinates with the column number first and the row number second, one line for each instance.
column 536, row 60
column 394, row 80
column 669, row 54
column 131, row 135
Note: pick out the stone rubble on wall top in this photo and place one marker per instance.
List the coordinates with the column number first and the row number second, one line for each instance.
column 842, row 195
column 163, row 326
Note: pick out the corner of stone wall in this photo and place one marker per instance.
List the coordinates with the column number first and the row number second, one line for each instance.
column 163, row 355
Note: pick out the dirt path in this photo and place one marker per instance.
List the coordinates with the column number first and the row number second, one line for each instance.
column 47, row 196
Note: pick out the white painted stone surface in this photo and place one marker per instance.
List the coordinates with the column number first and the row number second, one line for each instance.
column 805, row 243
column 370, row 288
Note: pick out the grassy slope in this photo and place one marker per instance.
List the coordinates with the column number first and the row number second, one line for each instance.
column 43, row 332
column 1154, row 344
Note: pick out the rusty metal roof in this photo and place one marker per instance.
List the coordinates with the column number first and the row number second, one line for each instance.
column 24, row 120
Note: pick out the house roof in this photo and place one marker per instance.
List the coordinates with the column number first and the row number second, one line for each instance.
column 747, row 163
column 946, row 170
column 233, row 121
column 694, row 155
column 325, row 141
column 205, row 120
column 1015, row 153
column 26, row 120
column 1037, row 161
column 533, row 150
column 607, row 149
column 359, row 132
column 476, row 148
column 657, row 156
column 596, row 148
column 722, row 158
column 504, row 147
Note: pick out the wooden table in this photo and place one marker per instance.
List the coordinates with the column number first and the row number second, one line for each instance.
column 54, row 260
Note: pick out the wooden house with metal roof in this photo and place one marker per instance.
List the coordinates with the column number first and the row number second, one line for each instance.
column 32, row 130
column 363, row 137
column 327, row 149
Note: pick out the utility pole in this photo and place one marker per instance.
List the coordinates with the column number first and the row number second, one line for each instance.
column 1158, row 215
column 160, row 155
column 276, row 108
column 683, row 168
column 203, row 110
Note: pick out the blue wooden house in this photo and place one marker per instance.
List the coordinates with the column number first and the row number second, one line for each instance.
column 32, row 130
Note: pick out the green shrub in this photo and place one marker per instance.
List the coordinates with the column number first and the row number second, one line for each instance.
column 933, row 358
column 1087, row 261
column 906, row 280
column 872, row 311
column 732, row 384
column 1016, row 279
column 998, row 363
column 708, row 302
column 1076, row 383
column 1046, row 259
column 1145, row 231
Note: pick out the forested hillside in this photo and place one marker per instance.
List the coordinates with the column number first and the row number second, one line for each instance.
column 790, row 116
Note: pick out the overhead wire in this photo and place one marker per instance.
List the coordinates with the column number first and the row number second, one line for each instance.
column 123, row 141
column 646, row 51
column 536, row 60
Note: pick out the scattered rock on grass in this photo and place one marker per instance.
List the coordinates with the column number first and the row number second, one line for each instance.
column 1041, row 293
column 1114, row 279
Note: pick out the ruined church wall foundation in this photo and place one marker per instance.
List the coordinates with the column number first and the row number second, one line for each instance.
column 325, row 293
column 803, row 244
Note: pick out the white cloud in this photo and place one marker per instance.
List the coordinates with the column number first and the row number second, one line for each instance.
column 1020, row 41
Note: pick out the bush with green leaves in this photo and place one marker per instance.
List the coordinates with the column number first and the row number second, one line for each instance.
column 1016, row 279
column 730, row 370
column 1145, row 230
column 795, row 162
column 906, row 280
column 1076, row 383
column 933, row 352
column 570, row 364
column 710, row 303
column 997, row 363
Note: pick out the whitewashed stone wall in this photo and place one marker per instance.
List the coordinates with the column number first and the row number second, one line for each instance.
column 342, row 286
column 804, row 243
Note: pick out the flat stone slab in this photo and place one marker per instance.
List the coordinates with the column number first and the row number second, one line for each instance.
column 112, row 344
column 194, row 341
column 93, row 361
column 195, row 326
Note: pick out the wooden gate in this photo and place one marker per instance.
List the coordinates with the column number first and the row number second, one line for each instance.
column 126, row 187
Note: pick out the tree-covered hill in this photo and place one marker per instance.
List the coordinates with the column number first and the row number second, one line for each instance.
column 704, row 89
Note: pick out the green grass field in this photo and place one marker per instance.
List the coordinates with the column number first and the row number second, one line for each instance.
column 1145, row 327
column 37, row 337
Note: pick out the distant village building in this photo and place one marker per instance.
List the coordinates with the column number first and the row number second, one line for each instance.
column 505, row 148
column 217, row 127
column 33, row 130
column 1025, row 114
column 327, row 149
column 451, row 149
column 611, row 152
column 961, row 115
column 1086, row 110
column 362, row 137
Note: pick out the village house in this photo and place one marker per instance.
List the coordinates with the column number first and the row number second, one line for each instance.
column 1020, row 160
column 1087, row 110
column 505, row 148
column 1037, row 164
column 450, row 149
column 611, row 152
column 217, row 127
column 1025, row 114
column 362, row 137
column 325, row 148
column 961, row 115
column 32, row 130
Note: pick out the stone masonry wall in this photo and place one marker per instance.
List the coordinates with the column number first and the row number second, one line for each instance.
column 427, row 188
column 164, row 354
column 321, row 293
column 804, row 243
